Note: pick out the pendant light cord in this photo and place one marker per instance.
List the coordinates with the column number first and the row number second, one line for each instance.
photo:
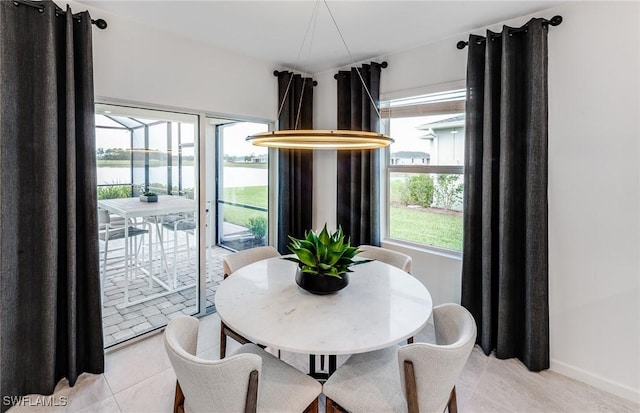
column 312, row 23
column 304, row 40
column 353, row 60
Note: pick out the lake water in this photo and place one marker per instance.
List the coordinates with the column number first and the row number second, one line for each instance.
column 233, row 177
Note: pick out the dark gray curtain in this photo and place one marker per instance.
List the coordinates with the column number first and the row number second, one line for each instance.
column 505, row 262
column 358, row 197
column 295, row 167
column 50, row 311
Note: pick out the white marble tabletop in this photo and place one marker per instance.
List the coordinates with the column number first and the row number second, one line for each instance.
column 133, row 207
column 381, row 306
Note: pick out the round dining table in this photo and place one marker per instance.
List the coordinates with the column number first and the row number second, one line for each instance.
column 381, row 307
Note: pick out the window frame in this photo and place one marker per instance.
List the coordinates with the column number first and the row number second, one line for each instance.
column 416, row 110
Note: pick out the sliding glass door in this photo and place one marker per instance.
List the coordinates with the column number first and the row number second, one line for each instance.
column 149, row 250
column 242, row 192
column 236, row 194
column 176, row 192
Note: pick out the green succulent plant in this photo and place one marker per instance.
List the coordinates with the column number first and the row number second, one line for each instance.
column 324, row 253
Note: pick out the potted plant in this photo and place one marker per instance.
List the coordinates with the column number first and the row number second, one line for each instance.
column 149, row 196
column 323, row 260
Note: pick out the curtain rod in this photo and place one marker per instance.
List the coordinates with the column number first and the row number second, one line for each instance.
column 100, row 23
column 383, row 65
column 555, row 21
column 277, row 73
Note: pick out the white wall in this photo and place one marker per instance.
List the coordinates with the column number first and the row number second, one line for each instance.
column 594, row 191
column 594, row 185
column 138, row 63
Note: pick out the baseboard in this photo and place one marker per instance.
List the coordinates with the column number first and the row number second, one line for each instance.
column 597, row 381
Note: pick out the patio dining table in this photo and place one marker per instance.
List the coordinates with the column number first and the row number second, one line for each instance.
column 381, row 306
column 131, row 208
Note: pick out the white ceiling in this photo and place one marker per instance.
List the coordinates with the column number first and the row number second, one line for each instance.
column 273, row 31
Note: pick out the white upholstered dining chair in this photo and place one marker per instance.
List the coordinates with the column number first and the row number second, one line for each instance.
column 230, row 264
column 395, row 258
column 250, row 380
column 414, row 378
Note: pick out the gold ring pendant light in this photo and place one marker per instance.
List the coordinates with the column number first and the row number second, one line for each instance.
column 323, row 139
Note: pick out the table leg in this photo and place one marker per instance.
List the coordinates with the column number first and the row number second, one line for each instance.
column 333, row 361
column 150, row 258
column 322, row 375
column 163, row 257
column 127, row 261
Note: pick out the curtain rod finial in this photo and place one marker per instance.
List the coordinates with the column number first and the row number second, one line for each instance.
column 384, row 64
column 100, row 23
column 555, row 20
column 461, row 44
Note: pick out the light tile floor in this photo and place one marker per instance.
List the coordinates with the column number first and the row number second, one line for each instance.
column 139, row 378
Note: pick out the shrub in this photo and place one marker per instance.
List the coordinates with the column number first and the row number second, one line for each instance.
column 114, row 191
column 448, row 191
column 417, row 190
column 258, row 227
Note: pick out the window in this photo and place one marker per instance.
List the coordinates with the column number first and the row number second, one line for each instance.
column 425, row 168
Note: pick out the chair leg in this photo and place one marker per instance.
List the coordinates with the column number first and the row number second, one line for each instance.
column 333, row 407
column 411, row 388
column 186, row 235
column 178, row 401
column 223, row 342
column 149, row 250
column 328, row 406
column 175, row 258
column 163, row 254
column 452, row 405
column 313, row 407
column 130, row 261
column 106, row 250
column 104, row 269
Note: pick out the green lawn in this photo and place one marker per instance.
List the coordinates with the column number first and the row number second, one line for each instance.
column 427, row 226
column 249, row 195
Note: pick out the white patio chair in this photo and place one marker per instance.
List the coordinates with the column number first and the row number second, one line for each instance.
column 111, row 229
column 179, row 224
